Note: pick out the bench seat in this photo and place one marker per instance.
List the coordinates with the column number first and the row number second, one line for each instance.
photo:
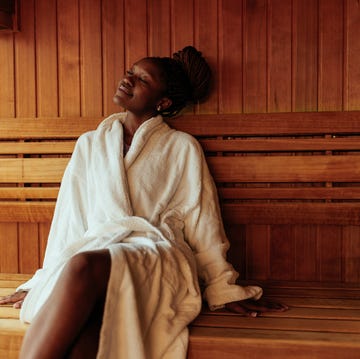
column 317, row 325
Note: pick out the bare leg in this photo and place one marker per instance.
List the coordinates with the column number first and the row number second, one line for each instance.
column 75, row 300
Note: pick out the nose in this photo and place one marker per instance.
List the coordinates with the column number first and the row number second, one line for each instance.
column 128, row 80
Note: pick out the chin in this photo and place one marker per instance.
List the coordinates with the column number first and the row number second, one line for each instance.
column 117, row 100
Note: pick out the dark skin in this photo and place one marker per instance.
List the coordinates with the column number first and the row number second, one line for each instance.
column 75, row 327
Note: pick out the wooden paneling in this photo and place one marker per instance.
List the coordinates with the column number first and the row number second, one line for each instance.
column 266, row 55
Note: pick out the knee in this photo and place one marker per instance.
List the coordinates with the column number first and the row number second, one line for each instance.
column 90, row 269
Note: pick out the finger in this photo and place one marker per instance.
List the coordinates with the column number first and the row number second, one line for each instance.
column 18, row 304
column 236, row 307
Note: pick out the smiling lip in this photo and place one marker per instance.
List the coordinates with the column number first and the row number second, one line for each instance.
column 125, row 89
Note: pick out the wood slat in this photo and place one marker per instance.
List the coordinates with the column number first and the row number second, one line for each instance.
column 32, row 170
column 285, row 168
column 43, row 128
column 26, row 211
column 228, row 343
column 292, row 213
column 292, row 123
column 29, row 192
column 282, row 322
column 304, row 193
column 38, row 148
column 280, row 145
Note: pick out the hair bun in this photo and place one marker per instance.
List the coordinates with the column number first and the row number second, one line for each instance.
column 197, row 70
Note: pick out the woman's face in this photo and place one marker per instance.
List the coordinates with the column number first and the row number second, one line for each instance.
column 141, row 89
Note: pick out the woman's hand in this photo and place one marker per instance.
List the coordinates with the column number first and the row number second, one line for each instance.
column 253, row 308
column 16, row 299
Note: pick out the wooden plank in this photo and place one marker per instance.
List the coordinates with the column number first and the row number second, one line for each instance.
column 45, row 128
column 198, row 125
column 230, row 57
column 331, row 55
column 329, row 253
column 46, row 59
column 7, row 88
column 282, row 253
column 291, row 193
column 113, row 48
column 255, row 67
column 9, row 248
column 294, row 123
column 279, row 323
column 29, row 192
column 211, row 343
column 91, row 61
column 45, row 147
column 352, row 55
column 306, row 264
column 159, row 35
column 25, row 62
column 182, row 17
column 305, row 55
column 285, row 168
column 279, row 55
column 68, row 57
column 28, row 238
column 351, row 254
column 135, row 18
column 292, row 213
column 26, row 211
column 206, row 22
column 280, row 145
column 32, row 170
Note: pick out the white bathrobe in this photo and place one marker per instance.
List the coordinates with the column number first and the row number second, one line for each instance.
column 156, row 210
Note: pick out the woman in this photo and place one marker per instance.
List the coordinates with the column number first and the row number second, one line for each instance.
column 136, row 223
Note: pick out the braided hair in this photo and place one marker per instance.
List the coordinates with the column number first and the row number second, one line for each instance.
column 187, row 78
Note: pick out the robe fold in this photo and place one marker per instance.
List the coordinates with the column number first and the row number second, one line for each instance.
column 156, row 211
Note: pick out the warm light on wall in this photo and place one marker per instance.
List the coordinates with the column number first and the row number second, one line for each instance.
column 9, row 15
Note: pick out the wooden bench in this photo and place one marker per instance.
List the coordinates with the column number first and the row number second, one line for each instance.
column 289, row 186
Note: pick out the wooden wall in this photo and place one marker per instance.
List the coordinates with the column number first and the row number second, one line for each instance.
column 267, row 56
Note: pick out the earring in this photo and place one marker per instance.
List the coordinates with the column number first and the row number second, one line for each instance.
column 158, row 108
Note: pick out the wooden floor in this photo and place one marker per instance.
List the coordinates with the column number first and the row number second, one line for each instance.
column 321, row 323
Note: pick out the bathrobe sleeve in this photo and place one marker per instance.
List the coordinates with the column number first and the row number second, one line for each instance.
column 205, row 233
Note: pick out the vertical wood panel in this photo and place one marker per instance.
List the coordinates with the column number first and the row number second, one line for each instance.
column 9, row 248
column 68, row 57
column 305, row 55
column 353, row 54
column 279, row 56
column 351, row 254
column 8, row 232
column 25, row 89
column 25, row 70
column 206, row 20
column 46, row 58
column 7, row 88
column 230, row 76
column 159, row 27
column 282, row 253
column 255, row 61
column 91, row 65
column 182, row 21
column 136, row 26
column 44, row 229
column 331, row 40
column 257, row 252
column 330, row 251
column 28, row 248
column 306, row 264
column 113, row 50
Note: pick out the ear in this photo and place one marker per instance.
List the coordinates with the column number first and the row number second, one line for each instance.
column 164, row 103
